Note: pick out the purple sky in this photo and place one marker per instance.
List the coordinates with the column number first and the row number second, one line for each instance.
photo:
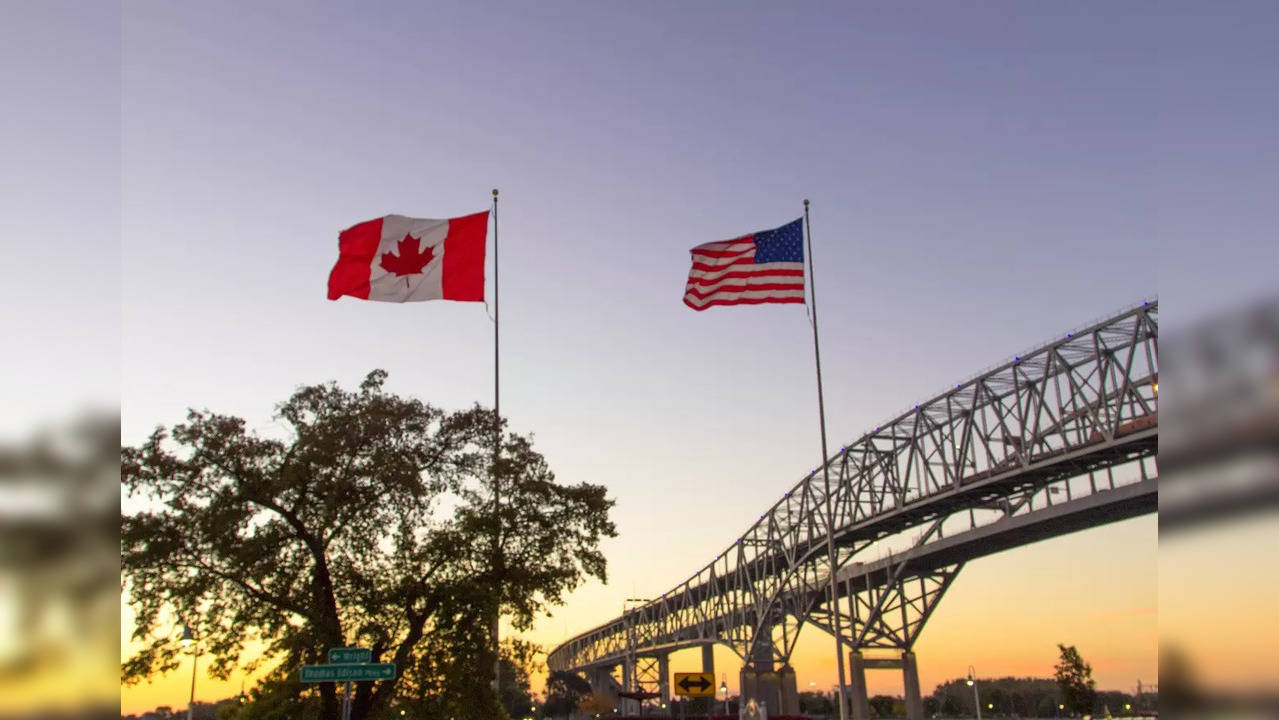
column 983, row 177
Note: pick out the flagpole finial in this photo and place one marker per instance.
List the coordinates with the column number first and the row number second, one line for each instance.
column 805, row 202
column 494, row 192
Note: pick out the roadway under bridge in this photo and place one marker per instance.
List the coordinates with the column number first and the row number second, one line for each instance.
column 1053, row 441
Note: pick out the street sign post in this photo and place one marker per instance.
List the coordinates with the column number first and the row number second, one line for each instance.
column 348, row 665
column 694, row 684
column 347, row 672
column 350, row 655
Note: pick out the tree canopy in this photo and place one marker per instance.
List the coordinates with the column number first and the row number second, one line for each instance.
column 369, row 521
column 1074, row 679
column 565, row 692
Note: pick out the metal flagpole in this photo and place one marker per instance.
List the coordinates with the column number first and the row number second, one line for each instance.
column 497, row 487
column 830, row 517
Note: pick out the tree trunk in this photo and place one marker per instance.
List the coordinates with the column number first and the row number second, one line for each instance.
column 329, row 709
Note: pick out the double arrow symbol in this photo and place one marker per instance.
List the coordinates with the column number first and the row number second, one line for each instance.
column 700, row 682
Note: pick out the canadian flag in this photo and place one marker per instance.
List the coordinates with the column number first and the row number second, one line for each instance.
column 404, row 259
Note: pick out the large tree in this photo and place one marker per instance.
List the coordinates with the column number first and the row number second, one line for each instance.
column 565, row 691
column 366, row 519
column 1074, row 680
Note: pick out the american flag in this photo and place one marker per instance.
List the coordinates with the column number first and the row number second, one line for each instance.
column 764, row 267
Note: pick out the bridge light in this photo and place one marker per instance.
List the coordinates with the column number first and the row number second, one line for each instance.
column 1017, row 359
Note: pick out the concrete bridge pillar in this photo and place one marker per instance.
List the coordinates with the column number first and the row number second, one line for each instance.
column 595, row 676
column 858, row 702
column 857, row 699
column 910, row 682
column 664, row 678
column 789, row 691
column 762, row 683
column 603, row 683
column 628, row 706
column 708, row 666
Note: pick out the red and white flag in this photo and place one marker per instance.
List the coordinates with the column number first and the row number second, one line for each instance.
column 404, row 259
column 763, row 267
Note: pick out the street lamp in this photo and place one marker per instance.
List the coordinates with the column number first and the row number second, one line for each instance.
column 972, row 682
column 188, row 639
column 723, row 688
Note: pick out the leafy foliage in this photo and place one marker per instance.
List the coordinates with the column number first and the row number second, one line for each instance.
column 881, row 705
column 1074, row 679
column 815, row 703
column 372, row 523
column 565, row 691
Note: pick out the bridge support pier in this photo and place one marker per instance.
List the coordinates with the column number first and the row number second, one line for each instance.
column 664, row 678
column 789, row 691
column 628, row 706
column 910, row 683
column 858, row 700
column 777, row 688
column 603, row 683
column 708, row 666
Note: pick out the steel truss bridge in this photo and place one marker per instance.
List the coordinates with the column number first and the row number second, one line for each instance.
column 1055, row 440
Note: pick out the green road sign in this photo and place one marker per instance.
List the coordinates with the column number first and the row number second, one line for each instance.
column 350, row 655
column 347, row 671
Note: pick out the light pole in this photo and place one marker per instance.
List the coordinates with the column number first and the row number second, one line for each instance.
column 723, row 688
column 188, row 638
column 972, row 681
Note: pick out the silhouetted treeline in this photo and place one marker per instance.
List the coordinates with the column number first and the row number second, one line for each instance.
column 1025, row 697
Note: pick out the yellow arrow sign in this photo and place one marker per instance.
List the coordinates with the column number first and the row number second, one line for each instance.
column 690, row 684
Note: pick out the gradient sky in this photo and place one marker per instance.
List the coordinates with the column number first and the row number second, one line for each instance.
column 984, row 177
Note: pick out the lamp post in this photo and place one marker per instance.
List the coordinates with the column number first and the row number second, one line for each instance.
column 723, row 688
column 972, row 682
column 188, row 639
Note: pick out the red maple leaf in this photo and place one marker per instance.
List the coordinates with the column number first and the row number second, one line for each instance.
column 411, row 259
